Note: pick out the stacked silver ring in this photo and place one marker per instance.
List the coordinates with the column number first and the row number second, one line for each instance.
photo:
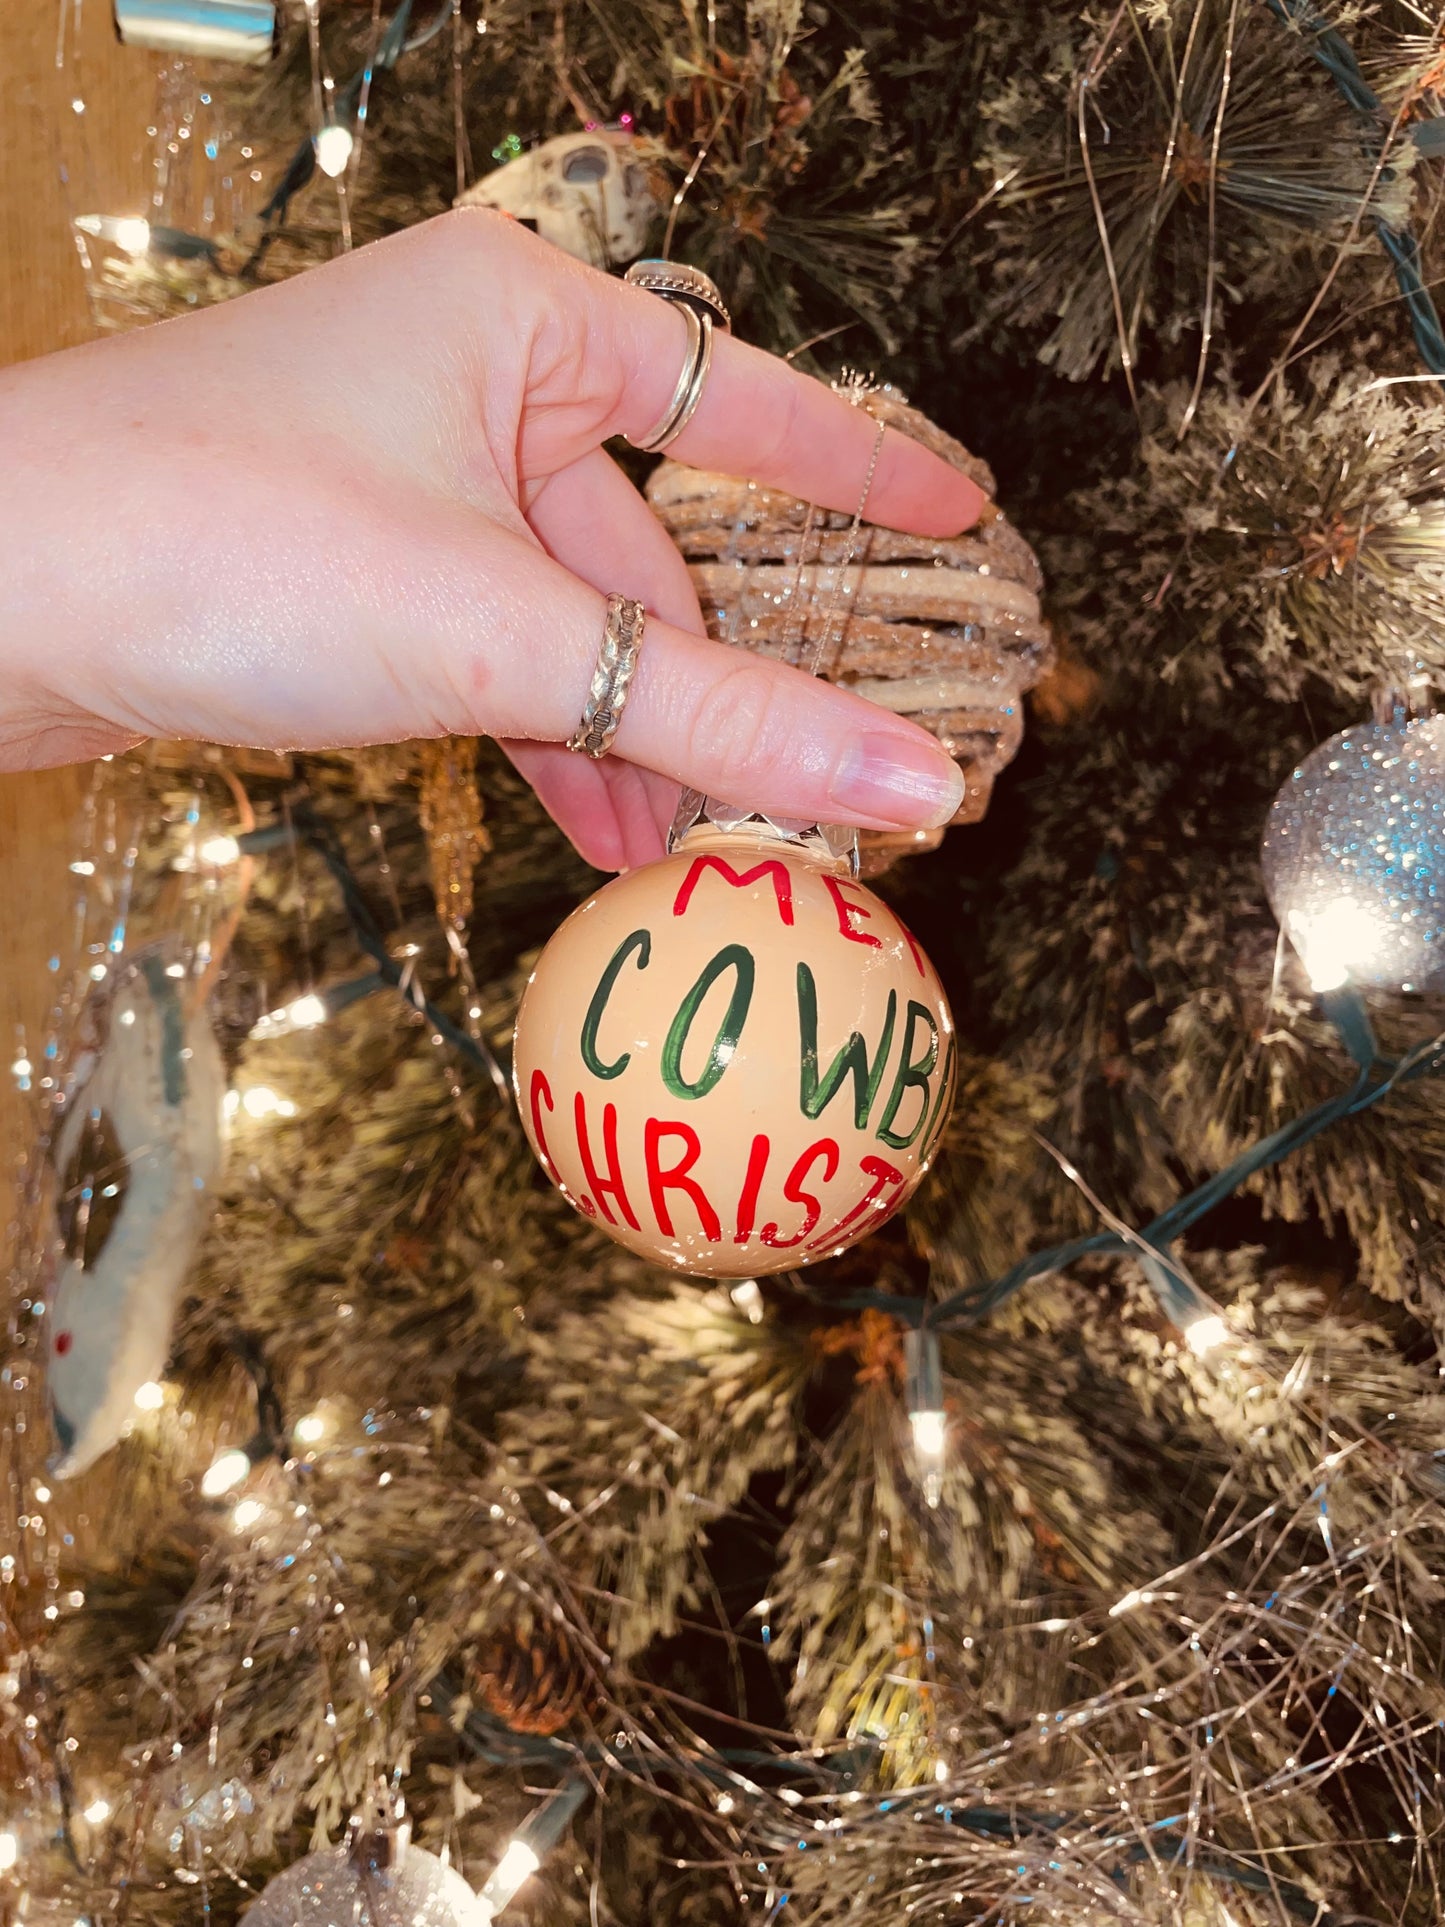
column 696, row 298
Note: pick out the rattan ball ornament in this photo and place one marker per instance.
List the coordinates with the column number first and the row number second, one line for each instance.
column 947, row 632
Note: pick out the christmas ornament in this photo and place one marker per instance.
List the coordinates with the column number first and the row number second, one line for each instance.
column 451, row 819
column 1354, row 856
column 737, row 1060
column 531, row 1677
column 137, row 1150
column 945, row 631
column 238, row 30
column 590, row 194
column 379, row 1879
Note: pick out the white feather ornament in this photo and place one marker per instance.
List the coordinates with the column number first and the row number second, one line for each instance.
column 137, row 1152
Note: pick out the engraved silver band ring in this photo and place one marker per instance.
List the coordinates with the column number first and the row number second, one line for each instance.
column 612, row 678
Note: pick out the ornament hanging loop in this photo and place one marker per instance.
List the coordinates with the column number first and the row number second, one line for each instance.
column 380, row 1832
column 1403, row 702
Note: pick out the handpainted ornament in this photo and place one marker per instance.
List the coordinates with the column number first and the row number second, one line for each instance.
column 378, row 1880
column 948, row 632
column 737, row 1060
column 136, row 1154
column 590, row 194
column 1354, row 857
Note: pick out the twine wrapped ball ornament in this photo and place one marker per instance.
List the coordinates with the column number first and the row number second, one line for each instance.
column 945, row 631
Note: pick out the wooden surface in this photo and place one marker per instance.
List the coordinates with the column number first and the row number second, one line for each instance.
column 54, row 163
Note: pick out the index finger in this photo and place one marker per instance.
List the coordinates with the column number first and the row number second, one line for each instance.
column 614, row 354
column 760, row 418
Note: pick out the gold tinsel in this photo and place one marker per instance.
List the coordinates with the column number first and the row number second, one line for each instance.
column 451, row 817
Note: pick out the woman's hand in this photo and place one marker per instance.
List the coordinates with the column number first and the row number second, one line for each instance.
column 373, row 503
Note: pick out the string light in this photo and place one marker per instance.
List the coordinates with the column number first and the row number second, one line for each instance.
column 246, row 1514
column 304, row 1013
column 523, row 1855
column 333, row 150
column 219, row 850
column 926, row 1415
column 511, row 1873
column 150, row 1397
column 1205, row 1334
column 9, row 1851
column 225, row 1472
column 1336, row 944
column 748, row 1299
column 259, row 1101
column 131, row 233
column 98, row 1811
column 311, row 1429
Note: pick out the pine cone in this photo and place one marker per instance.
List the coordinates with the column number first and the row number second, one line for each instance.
column 533, row 1678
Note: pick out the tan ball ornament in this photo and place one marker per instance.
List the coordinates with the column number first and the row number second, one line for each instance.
column 737, row 1060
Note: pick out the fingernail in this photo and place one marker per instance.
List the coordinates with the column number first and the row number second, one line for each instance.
column 902, row 779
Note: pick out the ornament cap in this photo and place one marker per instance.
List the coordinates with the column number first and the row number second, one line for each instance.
column 1404, row 702
column 702, row 822
column 380, row 1831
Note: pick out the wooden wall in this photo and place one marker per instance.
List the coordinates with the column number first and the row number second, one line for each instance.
column 106, row 155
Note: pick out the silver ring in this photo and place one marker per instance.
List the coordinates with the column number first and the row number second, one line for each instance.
column 688, row 392
column 697, row 300
column 612, row 678
column 675, row 281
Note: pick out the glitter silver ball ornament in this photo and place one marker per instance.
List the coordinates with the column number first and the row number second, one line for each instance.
column 336, row 1890
column 1354, row 857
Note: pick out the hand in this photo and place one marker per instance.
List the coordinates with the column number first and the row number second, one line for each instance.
column 373, row 503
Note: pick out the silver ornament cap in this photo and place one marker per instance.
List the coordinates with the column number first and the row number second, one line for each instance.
column 1354, row 857
column 379, row 1879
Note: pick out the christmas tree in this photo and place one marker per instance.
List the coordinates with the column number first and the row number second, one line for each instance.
column 1068, row 1549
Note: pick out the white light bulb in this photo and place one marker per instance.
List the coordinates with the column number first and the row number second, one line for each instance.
column 98, row 1810
column 1336, row 943
column 516, row 1866
column 246, row 1514
column 311, row 1428
column 333, row 150
column 22, row 1067
column 133, row 234
column 929, row 1433
column 225, row 1472
column 262, row 1101
column 749, row 1300
column 219, row 850
column 1202, row 1335
column 9, row 1851
column 307, row 1011
column 150, row 1397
